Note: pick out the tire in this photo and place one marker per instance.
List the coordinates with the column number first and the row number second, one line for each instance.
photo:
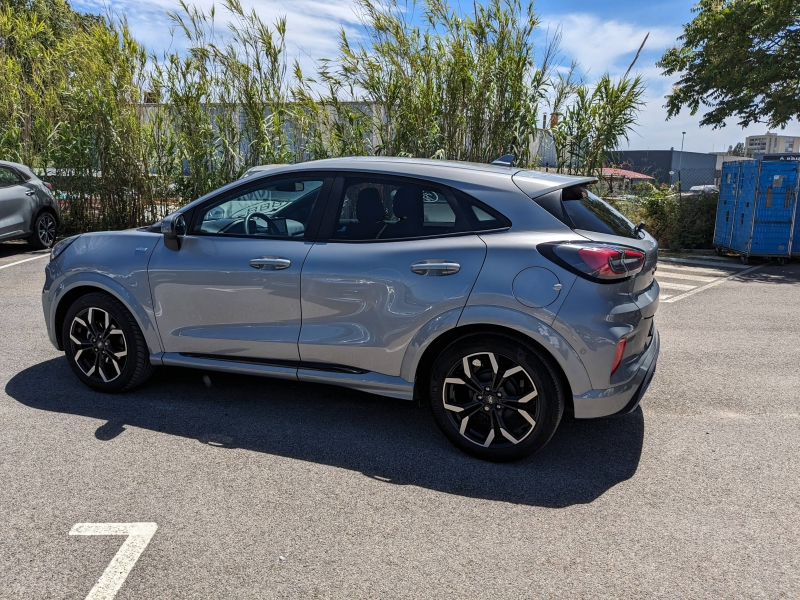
column 492, row 426
column 44, row 232
column 104, row 346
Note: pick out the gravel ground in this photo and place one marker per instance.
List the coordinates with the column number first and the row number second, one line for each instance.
column 696, row 494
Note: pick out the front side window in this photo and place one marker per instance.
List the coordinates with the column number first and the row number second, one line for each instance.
column 275, row 208
column 8, row 177
column 377, row 208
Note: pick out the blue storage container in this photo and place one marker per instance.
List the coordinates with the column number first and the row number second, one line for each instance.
column 757, row 210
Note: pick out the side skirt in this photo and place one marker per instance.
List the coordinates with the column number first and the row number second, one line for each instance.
column 358, row 379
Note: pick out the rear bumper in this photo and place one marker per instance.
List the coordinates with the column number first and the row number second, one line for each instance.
column 622, row 398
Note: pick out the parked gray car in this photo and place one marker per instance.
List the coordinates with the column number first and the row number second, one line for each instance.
column 503, row 296
column 28, row 209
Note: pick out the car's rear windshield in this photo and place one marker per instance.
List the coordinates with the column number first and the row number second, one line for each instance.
column 579, row 208
column 592, row 213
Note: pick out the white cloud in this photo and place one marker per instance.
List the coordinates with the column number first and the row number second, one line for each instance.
column 601, row 46
column 609, row 46
column 312, row 25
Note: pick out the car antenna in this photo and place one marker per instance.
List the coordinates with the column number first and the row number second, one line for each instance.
column 507, row 160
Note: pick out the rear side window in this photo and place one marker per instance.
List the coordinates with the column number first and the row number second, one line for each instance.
column 578, row 208
column 377, row 207
column 480, row 216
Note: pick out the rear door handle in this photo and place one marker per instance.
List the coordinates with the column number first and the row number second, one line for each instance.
column 435, row 267
column 30, row 193
column 270, row 263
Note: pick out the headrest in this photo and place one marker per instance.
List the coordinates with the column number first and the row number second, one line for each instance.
column 408, row 203
column 369, row 208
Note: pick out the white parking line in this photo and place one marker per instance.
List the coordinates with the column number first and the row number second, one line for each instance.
column 708, row 285
column 676, row 268
column 139, row 535
column 691, row 277
column 674, row 286
column 702, row 263
column 19, row 262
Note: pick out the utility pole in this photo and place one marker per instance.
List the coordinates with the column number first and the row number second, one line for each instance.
column 680, row 166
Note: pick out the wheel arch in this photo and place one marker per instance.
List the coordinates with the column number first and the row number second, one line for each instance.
column 45, row 208
column 78, row 289
column 563, row 358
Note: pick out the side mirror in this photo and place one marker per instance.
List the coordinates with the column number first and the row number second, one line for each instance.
column 173, row 227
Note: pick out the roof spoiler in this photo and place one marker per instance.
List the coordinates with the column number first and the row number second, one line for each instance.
column 507, row 160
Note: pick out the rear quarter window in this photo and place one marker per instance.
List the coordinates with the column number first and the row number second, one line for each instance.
column 480, row 216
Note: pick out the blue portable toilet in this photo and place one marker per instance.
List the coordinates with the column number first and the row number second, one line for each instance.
column 757, row 210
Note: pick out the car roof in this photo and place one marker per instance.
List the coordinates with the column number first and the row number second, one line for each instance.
column 18, row 166
column 532, row 182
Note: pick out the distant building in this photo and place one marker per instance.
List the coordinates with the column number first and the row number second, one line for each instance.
column 723, row 157
column 669, row 166
column 771, row 143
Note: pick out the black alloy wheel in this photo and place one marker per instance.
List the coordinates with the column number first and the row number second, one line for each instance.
column 97, row 343
column 45, row 230
column 104, row 346
column 496, row 397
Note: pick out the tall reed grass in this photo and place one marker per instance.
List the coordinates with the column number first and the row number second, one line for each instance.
column 128, row 135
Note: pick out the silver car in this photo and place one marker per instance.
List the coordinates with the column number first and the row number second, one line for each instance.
column 27, row 207
column 504, row 297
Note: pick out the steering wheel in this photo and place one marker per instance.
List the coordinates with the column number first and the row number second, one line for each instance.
column 272, row 229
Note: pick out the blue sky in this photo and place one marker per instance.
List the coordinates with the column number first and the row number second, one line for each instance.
column 601, row 36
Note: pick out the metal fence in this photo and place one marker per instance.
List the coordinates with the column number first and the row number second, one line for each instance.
column 693, row 178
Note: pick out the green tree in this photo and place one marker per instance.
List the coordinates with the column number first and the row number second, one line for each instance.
column 595, row 122
column 737, row 150
column 740, row 58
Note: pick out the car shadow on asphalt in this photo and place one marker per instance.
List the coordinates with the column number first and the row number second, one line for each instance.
column 16, row 248
column 393, row 441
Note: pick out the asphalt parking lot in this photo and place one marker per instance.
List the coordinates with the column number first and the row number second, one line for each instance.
column 263, row 488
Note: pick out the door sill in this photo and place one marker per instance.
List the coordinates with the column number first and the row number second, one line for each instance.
column 358, row 379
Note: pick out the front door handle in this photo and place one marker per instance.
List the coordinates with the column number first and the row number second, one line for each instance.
column 435, row 267
column 270, row 263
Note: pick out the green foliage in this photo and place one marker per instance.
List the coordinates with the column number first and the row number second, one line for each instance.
column 595, row 122
column 738, row 150
column 740, row 58
column 459, row 87
column 129, row 136
column 677, row 221
column 70, row 104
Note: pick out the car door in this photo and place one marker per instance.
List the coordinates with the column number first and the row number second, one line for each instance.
column 14, row 200
column 398, row 254
column 232, row 290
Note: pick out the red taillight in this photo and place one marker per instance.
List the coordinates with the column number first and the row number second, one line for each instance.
column 595, row 261
column 48, row 185
column 610, row 262
column 606, row 262
column 618, row 354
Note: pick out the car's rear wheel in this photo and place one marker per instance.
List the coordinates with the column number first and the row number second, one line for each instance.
column 45, row 230
column 104, row 345
column 495, row 396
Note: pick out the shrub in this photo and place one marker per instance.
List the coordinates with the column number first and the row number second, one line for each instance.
column 677, row 221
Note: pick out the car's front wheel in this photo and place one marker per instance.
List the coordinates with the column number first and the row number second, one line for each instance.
column 45, row 230
column 495, row 396
column 104, row 345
